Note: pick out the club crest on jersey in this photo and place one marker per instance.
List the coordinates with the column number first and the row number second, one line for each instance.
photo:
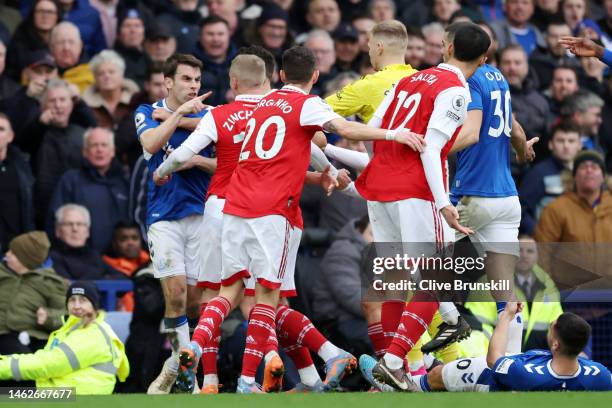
column 458, row 103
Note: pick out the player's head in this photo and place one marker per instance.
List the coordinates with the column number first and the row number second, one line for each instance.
column 467, row 43
column 387, row 38
column 299, row 66
column 267, row 58
column 182, row 75
column 568, row 335
column 247, row 73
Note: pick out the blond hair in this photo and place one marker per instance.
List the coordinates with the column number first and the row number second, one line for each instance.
column 392, row 33
column 249, row 70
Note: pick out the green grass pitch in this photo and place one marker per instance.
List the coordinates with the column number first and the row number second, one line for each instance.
column 342, row 400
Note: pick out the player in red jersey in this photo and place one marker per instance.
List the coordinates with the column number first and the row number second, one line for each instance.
column 406, row 191
column 262, row 220
column 224, row 127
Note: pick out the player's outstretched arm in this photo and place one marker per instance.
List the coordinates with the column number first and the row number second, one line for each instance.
column 153, row 140
column 499, row 339
column 358, row 131
column 470, row 131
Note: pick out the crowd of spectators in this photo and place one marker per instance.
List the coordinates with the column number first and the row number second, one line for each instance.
column 72, row 73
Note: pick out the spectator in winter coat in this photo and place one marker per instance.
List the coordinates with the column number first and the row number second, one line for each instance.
column 543, row 182
column 110, row 96
column 31, row 296
column 33, row 34
column 16, row 213
column 183, row 18
column 54, row 143
column 71, row 59
column 337, row 295
column 216, row 52
column 87, row 19
column 99, row 185
column 71, row 256
column 528, row 105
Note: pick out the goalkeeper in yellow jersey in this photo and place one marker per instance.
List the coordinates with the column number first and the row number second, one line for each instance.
column 387, row 43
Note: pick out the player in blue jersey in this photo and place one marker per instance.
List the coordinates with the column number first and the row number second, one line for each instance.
column 560, row 369
column 483, row 189
column 174, row 210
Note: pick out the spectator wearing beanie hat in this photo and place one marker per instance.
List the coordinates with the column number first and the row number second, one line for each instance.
column 31, row 296
column 583, row 215
column 271, row 31
column 84, row 353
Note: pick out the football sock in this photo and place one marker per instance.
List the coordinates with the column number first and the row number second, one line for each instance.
column 309, row 375
column 449, row 312
column 421, row 383
column 261, row 322
column 177, row 329
column 415, row 319
column 377, row 337
column 210, row 321
column 209, row 355
column 391, row 314
column 298, row 329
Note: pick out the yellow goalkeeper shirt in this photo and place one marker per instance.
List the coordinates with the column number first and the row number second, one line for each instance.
column 363, row 96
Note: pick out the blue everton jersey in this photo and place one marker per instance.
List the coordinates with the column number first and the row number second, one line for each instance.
column 532, row 371
column 184, row 194
column 483, row 169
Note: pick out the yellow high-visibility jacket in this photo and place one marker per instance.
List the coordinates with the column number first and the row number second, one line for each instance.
column 90, row 359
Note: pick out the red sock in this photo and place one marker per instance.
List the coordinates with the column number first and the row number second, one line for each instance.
column 209, row 353
column 210, row 321
column 390, row 316
column 261, row 323
column 416, row 318
column 377, row 337
column 298, row 328
column 300, row 356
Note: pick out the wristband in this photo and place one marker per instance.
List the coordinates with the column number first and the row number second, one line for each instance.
column 390, row 135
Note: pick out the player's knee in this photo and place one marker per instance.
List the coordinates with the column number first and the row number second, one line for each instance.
column 371, row 310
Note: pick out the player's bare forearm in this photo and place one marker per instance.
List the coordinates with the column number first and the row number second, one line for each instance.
column 518, row 139
column 189, row 123
column 470, row 131
column 499, row 339
column 313, row 177
column 354, row 130
column 204, row 163
column 154, row 139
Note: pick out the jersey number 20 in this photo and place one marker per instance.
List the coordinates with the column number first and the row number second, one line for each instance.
column 279, row 137
column 505, row 121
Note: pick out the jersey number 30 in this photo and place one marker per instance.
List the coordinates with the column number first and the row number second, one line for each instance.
column 505, row 121
column 279, row 137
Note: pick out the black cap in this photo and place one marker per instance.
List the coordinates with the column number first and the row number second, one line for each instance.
column 346, row 31
column 87, row 289
column 272, row 12
column 159, row 30
column 40, row 57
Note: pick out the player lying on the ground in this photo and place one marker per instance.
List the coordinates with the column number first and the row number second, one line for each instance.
column 537, row 370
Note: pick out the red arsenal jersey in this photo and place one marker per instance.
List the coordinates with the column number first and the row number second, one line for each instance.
column 435, row 98
column 224, row 126
column 275, row 155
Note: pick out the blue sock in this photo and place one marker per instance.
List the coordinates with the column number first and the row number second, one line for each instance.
column 421, row 381
column 500, row 306
column 174, row 322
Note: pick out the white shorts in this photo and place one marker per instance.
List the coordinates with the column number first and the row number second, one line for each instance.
column 495, row 222
column 466, row 375
column 410, row 221
column 175, row 248
column 210, row 246
column 264, row 248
